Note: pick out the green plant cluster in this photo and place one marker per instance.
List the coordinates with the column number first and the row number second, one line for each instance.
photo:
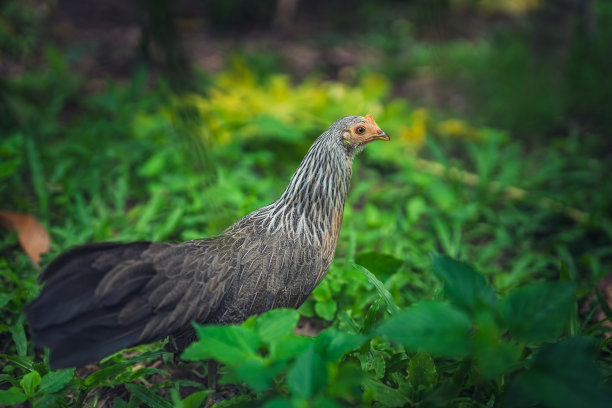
column 402, row 328
column 428, row 354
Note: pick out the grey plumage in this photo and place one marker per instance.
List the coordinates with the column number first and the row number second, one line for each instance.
column 100, row 298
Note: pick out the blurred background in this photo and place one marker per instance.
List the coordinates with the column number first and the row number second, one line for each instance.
column 169, row 120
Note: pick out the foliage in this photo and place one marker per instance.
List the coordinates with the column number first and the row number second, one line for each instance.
column 401, row 326
column 436, row 349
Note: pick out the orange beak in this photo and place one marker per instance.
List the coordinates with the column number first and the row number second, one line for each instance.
column 377, row 132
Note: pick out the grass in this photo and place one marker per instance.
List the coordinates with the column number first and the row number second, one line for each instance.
column 505, row 316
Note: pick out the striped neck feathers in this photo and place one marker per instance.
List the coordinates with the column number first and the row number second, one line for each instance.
column 313, row 202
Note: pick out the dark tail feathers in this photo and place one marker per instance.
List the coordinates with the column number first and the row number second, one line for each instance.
column 71, row 320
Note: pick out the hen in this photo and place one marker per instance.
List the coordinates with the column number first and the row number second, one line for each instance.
column 101, row 298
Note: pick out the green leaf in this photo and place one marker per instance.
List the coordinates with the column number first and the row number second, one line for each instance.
column 99, row 377
column 384, row 265
column 422, row 372
column 147, row 396
column 119, row 403
column 391, row 397
column 290, row 347
column 539, row 311
column 372, row 315
column 434, row 327
column 497, row 358
column 196, row 399
column 55, row 380
column 12, row 396
column 255, row 373
column 327, row 309
column 5, row 298
column 494, row 355
column 229, row 344
column 29, row 382
column 145, row 372
column 308, row 374
column 19, row 361
column 307, row 308
column 464, row 287
column 325, row 402
column 278, row 403
column 382, row 291
column 563, row 375
column 333, row 343
column 276, row 324
column 19, row 337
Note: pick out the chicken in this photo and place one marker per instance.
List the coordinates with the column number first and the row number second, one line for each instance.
column 103, row 297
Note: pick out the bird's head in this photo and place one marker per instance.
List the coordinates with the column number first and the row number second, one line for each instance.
column 354, row 132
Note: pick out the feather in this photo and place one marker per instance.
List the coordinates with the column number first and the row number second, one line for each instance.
column 101, row 298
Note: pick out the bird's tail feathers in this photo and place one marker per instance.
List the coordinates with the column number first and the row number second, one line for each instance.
column 77, row 312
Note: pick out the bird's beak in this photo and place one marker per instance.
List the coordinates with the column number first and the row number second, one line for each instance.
column 377, row 134
column 380, row 135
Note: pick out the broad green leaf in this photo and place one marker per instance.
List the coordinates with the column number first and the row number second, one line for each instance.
column 229, row 344
column 390, row 397
column 290, row 347
column 147, row 396
column 333, row 343
column 497, row 358
column 563, row 375
column 435, row 327
column 494, row 355
column 12, row 396
column 384, row 265
column 382, row 291
column 422, row 372
column 29, row 382
column 464, row 286
column 196, row 399
column 307, row 308
column 539, row 311
column 308, row 374
column 276, row 324
column 55, row 380
column 326, row 309
column 254, row 372
column 344, row 379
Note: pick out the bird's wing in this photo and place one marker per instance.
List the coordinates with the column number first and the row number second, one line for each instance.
column 271, row 270
column 187, row 283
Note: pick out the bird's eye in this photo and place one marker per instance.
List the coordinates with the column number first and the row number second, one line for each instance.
column 360, row 130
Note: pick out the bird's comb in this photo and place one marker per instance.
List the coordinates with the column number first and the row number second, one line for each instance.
column 370, row 119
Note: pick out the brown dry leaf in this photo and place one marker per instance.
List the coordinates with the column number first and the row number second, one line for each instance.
column 33, row 236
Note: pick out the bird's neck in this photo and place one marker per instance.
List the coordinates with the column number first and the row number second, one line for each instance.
column 313, row 202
